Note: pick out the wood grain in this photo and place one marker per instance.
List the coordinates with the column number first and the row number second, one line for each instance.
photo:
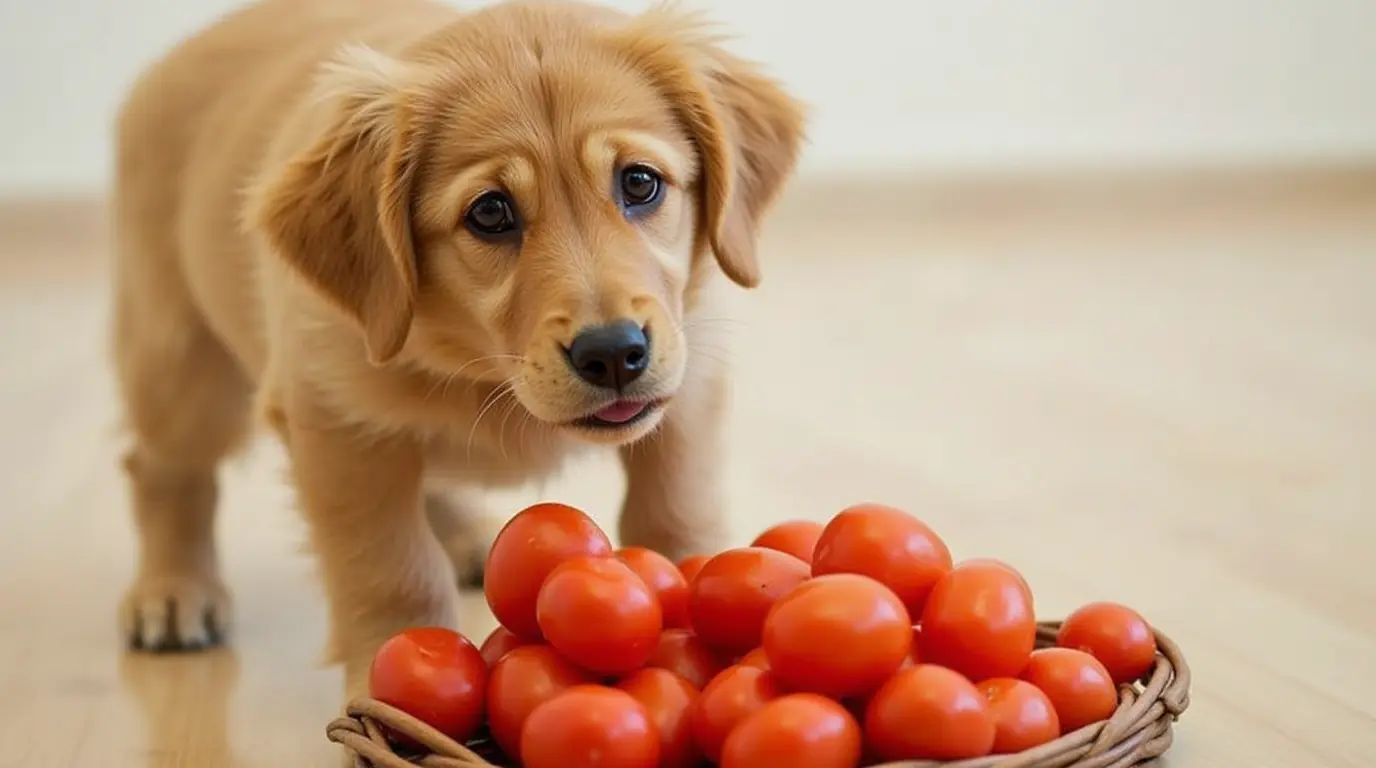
column 1162, row 397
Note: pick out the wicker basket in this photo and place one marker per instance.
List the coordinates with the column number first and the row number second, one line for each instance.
column 1138, row 731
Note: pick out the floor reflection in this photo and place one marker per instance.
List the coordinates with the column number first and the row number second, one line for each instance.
column 184, row 701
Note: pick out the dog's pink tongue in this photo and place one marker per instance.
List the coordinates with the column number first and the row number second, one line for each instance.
column 620, row 412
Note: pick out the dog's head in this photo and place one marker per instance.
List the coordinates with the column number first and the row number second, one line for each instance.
column 532, row 196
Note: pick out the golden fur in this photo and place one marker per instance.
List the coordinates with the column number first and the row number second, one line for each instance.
column 290, row 201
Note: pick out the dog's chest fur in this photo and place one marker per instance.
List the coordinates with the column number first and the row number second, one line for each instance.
column 506, row 454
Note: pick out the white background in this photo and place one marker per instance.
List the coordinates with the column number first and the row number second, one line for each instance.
column 924, row 85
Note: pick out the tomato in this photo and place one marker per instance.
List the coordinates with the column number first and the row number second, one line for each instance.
column 689, row 566
column 888, row 545
column 1023, row 716
column 681, row 652
column 599, row 614
column 527, row 548
column 801, row 730
column 756, row 658
column 1078, row 686
column 795, row 537
column 434, row 674
column 838, row 635
column 664, row 579
column 1114, row 634
column 498, row 644
column 979, row 621
column 1000, row 564
column 732, row 594
column 668, row 699
column 928, row 712
column 590, row 726
column 733, row 695
column 521, row 681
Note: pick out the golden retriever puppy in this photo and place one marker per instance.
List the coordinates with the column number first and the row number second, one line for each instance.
column 434, row 249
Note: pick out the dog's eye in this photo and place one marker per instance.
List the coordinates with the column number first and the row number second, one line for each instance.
column 640, row 186
column 491, row 215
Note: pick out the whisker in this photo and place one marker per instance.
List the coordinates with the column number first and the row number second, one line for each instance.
column 451, row 380
column 521, row 431
column 441, row 382
column 450, row 377
column 498, row 392
column 703, row 354
column 695, row 344
column 486, row 358
column 489, row 403
column 501, row 428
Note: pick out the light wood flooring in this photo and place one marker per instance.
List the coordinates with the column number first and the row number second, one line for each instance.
column 1164, row 396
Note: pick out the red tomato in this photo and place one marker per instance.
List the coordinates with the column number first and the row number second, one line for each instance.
column 888, row 545
column 664, row 579
column 838, row 635
column 928, row 712
column 735, row 694
column 668, row 699
column 599, row 614
column 681, row 652
column 521, row 681
column 498, row 644
column 590, row 726
column 756, row 658
column 689, row 566
column 795, row 537
column 801, row 730
column 1023, row 716
column 1078, row 686
column 527, row 548
column 1000, row 564
column 1114, row 634
column 734, row 591
column 979, row 621
column 434, row 674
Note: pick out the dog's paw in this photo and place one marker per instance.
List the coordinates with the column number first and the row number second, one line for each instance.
column 167, row 614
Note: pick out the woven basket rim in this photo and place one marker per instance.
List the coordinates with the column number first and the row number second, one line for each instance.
column 1139, row 729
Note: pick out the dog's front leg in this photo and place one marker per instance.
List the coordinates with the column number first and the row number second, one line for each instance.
column 382, row 567
column 675, row 495
column 454, row 518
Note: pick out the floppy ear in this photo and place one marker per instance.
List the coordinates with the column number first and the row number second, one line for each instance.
column 764, row 128
column 748, row 130
column 338, row 212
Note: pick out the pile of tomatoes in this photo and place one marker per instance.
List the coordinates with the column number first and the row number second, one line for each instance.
column 853, row 643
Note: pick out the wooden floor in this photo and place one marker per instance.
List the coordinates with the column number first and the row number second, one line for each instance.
column 1166, row 398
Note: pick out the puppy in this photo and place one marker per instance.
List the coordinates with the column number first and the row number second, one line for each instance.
column 433, row 250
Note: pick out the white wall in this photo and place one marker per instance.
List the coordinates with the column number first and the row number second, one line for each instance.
column 915, row 84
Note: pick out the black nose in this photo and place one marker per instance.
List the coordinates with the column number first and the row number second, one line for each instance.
column 611, row 355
